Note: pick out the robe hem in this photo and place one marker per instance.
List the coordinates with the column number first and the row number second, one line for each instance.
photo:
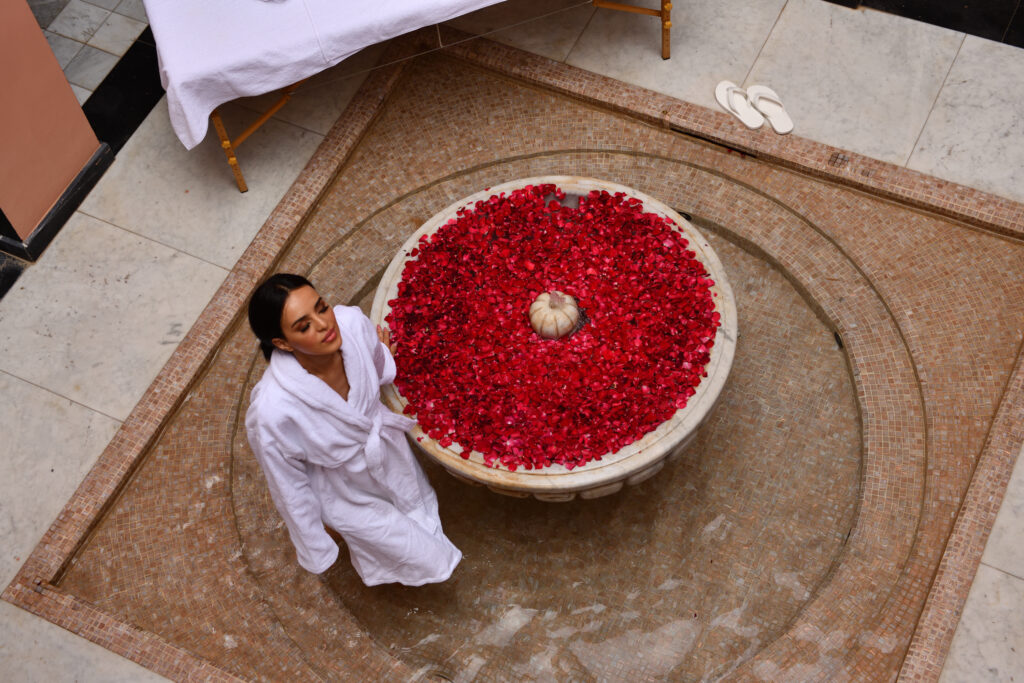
column 444, row 576
column 336, row 553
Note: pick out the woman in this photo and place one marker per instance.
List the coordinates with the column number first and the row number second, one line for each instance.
column 332, row 453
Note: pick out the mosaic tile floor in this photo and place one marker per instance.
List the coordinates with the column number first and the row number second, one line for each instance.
column 803, row 535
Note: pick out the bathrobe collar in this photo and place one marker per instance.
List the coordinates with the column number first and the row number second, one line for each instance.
column 362, row 420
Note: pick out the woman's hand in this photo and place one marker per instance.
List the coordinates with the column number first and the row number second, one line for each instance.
column 384, row 335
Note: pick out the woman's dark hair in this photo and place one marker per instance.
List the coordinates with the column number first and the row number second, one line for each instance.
column 267, row 304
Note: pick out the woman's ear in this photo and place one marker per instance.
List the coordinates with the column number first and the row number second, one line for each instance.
column 282, row 344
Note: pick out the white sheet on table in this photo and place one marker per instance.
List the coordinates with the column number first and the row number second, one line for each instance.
column 214, row 51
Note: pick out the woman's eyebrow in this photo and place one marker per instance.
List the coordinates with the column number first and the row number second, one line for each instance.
column 316, row 305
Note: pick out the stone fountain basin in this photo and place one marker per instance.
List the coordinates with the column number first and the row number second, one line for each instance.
column 639, row 460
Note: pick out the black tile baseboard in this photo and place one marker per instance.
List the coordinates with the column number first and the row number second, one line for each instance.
column 998, row 20
column 124, row 99
column 1015, row 31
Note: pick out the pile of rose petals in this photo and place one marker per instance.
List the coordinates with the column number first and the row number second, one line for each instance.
column 474, row 372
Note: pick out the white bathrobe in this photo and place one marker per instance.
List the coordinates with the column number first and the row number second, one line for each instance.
column 347, row 464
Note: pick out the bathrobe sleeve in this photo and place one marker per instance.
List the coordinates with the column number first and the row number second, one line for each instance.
column 289, row 484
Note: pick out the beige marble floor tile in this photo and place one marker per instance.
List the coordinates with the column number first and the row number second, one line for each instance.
column 1004, row 549
column 711, row 42
column 134, row 9
column 79, row 20
column 989, row 640
column 99, row 314
column 548, row 28
column 33, row 650
column 105, row 4
column 975, row 133
column 857, row 79
column 43, row 460
column 188, row 199
column 318, row 102
column 64, row 49
column 81, row 94
column 117, row 34
column 89, row 67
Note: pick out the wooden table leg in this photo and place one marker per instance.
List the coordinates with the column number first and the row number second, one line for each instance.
column 665, row 14
column 229, row 146
column 229, row 150
column 666, row 28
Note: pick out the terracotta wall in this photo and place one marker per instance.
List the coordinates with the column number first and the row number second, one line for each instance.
column 45, row 139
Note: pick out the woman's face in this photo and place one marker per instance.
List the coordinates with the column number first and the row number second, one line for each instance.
column 308, row 325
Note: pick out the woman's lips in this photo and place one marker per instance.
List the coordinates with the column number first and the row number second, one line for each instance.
column 330, row 336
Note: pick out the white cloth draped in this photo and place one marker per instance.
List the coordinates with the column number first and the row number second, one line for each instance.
column 214, row 51
column 348, row 464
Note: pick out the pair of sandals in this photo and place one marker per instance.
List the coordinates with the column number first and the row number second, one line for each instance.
column 754, row 106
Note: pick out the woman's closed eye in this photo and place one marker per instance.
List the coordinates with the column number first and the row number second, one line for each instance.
column 321, row 308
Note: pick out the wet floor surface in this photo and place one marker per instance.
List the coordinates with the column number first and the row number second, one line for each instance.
column 685, row 575
column 796, row 537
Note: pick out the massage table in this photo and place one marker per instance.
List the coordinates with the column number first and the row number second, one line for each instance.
column 214, row 51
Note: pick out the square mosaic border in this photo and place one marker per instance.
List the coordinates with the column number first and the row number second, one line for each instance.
column 33, row 588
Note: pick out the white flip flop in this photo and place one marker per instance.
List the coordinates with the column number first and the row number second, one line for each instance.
column 767, row 102
column 734, row 100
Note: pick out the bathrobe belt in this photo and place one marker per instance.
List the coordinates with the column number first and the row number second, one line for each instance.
column 374, row 449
